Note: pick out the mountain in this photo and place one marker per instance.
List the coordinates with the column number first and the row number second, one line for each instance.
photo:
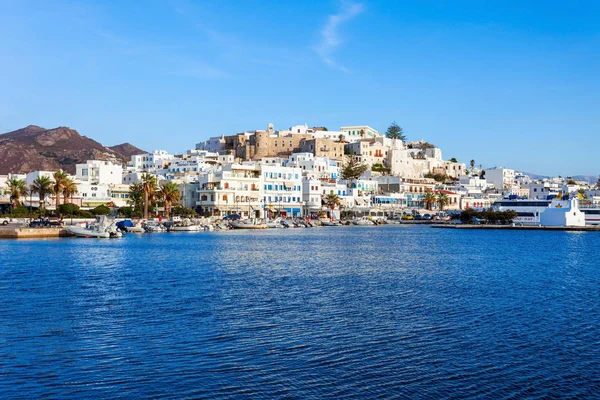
column 34, row 148
column 126, row 150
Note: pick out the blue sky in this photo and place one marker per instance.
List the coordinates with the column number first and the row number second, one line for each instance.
column 504, row 83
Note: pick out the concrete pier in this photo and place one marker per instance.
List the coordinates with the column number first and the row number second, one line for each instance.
column 32, row 233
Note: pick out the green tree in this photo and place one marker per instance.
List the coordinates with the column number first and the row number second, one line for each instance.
column 380, row 168
column 69, row 209
column 169, row 193
column 101, row 210
column 437, row 177
column 353, row 169
column 17, row 189
column 149, row 188
column 429, row 200
column 42, row 185
column 453, row 160
column 472, row 163
column 60, row 180
column 443, row 200
column 341, row 138
column 394, row 131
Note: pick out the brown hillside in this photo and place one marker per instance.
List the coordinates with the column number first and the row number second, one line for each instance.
column 34, row 148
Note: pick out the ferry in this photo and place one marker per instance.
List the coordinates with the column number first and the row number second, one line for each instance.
column 529, row 210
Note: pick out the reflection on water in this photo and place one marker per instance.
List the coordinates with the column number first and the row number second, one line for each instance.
column 311, row 313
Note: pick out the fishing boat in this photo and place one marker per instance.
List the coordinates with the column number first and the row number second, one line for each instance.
column 103, row 227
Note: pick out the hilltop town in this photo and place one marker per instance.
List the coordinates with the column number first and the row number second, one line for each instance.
column 293, row 172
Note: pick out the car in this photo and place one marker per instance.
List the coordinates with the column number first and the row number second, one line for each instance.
column 5, row 221
column 418, row 217
column 427, row 217
column 408, row 217
column 231, row 217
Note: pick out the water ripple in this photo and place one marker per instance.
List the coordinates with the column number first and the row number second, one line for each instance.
column 390, row 312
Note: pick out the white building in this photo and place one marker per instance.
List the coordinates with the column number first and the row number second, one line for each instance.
column 501, row 178
column 94, row 181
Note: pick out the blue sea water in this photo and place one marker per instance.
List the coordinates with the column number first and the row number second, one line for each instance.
column 348, row 312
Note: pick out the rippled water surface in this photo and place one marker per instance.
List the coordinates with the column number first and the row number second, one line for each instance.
column 363, row 312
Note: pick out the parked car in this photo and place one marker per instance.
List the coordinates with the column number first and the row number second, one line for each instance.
column 408, row 217
column 427, row 217
column 418, row 217
column 5, row 221
column 231, row 217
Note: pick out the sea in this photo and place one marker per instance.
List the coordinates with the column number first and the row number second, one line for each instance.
column 380, row 312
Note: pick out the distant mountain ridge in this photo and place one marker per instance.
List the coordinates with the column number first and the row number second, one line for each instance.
column 34, row 148
column 587, row 178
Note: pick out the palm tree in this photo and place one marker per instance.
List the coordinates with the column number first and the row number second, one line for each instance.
column 69, row 189
column 149, row 184
column 136, row 196
column 60, row 180
column 472, row 163
column 169, row 193
column 429, row 200
column 341, row 138
column 42, row 185
column 332, row 200
column 18, row 189
column 443, row 200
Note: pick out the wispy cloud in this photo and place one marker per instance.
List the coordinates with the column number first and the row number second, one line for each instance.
column 330, row 36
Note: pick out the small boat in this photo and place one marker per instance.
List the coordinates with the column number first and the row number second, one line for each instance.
column 274, row 223
column 247, row 224
column 362, row 222
column 185, row 228
column 102, row 228
column 154, row 226
column 330, row 223
column 184, row 225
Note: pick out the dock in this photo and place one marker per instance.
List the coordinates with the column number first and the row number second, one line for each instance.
column 519, row 227
column 32, row 233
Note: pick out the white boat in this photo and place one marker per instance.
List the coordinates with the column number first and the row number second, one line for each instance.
column 274, row 223
column 184, row 225
column 154, row 226
column 137, row 228
column 185, row 228
column 362, row 222
column 102, row 228
column 247, row 224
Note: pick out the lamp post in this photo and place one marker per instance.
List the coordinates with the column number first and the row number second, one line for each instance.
column 279, row 195
column 248, row 200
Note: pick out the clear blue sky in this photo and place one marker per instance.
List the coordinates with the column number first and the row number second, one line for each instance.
column 512, row 83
